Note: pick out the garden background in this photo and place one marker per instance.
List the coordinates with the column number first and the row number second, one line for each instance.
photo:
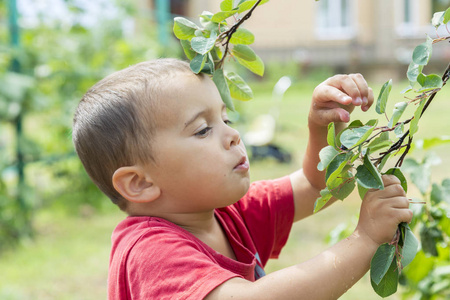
column 55, row 226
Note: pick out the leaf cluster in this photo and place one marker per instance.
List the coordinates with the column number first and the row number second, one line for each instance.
column 355, row 157
column 428, row 276
column 207, row 45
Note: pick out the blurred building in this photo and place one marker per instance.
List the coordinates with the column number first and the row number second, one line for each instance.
column 348, row 35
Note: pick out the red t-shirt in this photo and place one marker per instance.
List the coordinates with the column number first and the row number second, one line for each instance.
column 152, row 258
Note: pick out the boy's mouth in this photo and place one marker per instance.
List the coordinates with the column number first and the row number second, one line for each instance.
column 243, row 164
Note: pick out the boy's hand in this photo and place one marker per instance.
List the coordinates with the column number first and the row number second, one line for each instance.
column 334, row 99
column 383, row 210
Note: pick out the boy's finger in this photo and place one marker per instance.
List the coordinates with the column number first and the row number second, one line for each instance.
column 399, row 202
column 393, row 190
column 347, row 84
column 361, row 84
column 327, row 93
column 327, row 115
column 365, row 91
column 389, row 180
column 404, row 215
column 366, row 105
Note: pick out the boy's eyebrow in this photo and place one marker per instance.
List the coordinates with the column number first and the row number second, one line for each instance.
column 200, row 113
column 191, row 120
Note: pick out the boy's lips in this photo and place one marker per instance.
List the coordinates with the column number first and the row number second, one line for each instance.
column 243, row 165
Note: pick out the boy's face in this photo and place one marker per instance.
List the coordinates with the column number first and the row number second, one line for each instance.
column 201, row 162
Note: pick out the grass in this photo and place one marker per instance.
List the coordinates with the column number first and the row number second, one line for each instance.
column 68, row 258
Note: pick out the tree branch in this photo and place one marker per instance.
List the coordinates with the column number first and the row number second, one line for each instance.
column 399, row 144
column 227, row 34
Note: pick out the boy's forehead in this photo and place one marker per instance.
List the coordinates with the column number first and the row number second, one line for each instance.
column 184, row 94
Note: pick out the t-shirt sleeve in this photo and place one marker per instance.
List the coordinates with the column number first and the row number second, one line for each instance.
column 268, row 212
column 175, row 264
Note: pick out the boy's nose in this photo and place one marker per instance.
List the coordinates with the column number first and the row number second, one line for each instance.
column 233, row 138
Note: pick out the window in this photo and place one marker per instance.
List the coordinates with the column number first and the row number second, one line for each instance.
column 407, row 18
column 335, row 19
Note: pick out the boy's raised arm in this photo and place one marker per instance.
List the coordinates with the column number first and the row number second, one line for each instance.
column 333, row 100
column 334, row 271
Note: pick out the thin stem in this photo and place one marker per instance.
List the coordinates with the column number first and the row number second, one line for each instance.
column 399, row 144
column 227, row 34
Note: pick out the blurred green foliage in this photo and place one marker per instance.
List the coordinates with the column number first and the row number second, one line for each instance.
column 59, row 61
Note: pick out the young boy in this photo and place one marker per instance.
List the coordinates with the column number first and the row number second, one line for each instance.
column 156, row 139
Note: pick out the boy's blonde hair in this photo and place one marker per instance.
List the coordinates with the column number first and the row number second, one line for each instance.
column 115, row 120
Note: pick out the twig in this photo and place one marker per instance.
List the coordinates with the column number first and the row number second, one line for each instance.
column 399, row 144
column 227, row 34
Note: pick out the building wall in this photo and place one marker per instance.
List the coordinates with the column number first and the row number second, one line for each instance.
column 289, row 30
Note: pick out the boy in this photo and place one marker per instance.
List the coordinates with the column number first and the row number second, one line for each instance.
column 156, row 139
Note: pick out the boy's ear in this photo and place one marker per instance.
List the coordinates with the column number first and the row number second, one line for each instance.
column 135, row 185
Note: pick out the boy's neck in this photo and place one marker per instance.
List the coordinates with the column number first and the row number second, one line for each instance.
column 196, row 223
column 205, row 227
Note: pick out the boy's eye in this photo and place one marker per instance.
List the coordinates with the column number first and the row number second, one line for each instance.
column 203, row 132
column 228, row 122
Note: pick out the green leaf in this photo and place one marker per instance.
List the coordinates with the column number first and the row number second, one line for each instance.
column 399, row 108
column 216, row 53
column 205, row 18
column 325, row 196
column 327, row 154
column 256, row 66
column 362, row 191
column 429, row 236
column 422, row 52
column 383, row 97
column 413, row 71
column 368, row 176
column 419, row 173
column 372, row 122
column 381, row 261
column 419, row 268
column 436, row 194
column 222, row 86
column 203, row 45
column 398, row 131
column 222, row 15
column 208, row 68
column 244, row 52
column 226, row 5
column 190, row 54
column 242, row 36
column 197, row 63
column 435, row 141
column 336, row 165
column 388, row 284
column 335, row 173
column 410, row 246
column 446, row 16
column 331, row 135
column 249, row 4
column 384, row 161
column 184, row 29
column 380, row 142
column 414, row 125
column 342, row 186
column 429, row 82
column 355, row 124
column 398, row 173
column 355, row 136
column 407, row 89
column 239, row 89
